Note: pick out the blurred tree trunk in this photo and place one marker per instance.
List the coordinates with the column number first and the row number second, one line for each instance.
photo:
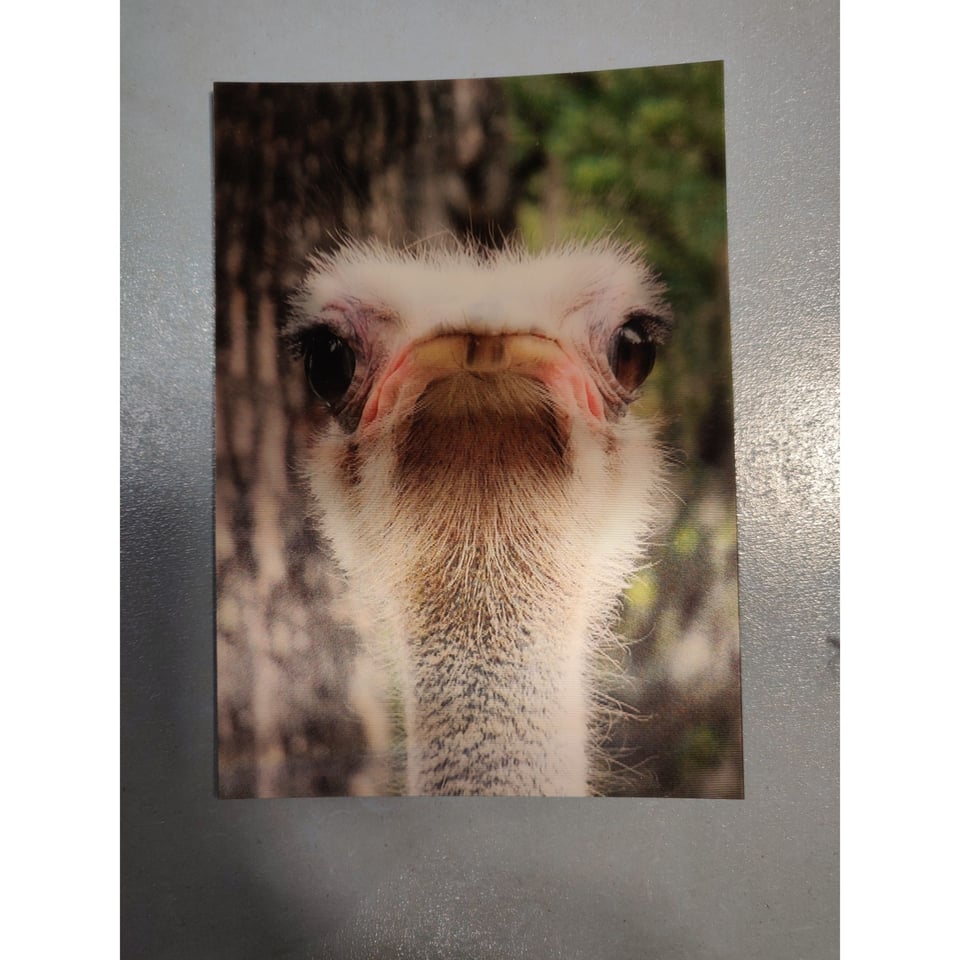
column 299, row 168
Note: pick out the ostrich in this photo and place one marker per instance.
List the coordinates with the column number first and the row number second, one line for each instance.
column 483, row 488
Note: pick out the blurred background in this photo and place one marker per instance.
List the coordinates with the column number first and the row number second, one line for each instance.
column 637, row 155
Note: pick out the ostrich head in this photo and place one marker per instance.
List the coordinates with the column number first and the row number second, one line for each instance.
column 484, row 489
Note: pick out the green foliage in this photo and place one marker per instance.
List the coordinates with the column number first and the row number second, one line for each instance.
column 639, row 154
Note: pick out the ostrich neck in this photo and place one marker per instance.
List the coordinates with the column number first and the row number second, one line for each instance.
column 475, row 523
column 497, row 705
column 494, row 583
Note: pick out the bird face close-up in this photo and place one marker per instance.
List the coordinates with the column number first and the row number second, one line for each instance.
column 484, row 488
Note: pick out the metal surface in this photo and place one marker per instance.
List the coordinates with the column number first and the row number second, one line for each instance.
column 486, row 878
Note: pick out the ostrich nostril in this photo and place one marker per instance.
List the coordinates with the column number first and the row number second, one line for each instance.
column 483, row 351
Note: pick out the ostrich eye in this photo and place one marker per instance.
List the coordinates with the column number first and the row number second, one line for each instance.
column 632, row 354
column 329, row 363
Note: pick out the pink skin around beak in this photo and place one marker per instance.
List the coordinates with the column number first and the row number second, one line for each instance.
column 412, row 370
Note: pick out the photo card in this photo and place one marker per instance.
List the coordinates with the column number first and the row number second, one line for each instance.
column 476, row 528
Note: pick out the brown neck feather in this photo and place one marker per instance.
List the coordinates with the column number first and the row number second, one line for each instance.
column 495, row 700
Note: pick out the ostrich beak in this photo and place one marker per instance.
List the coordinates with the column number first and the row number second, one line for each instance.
column 522, row 354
